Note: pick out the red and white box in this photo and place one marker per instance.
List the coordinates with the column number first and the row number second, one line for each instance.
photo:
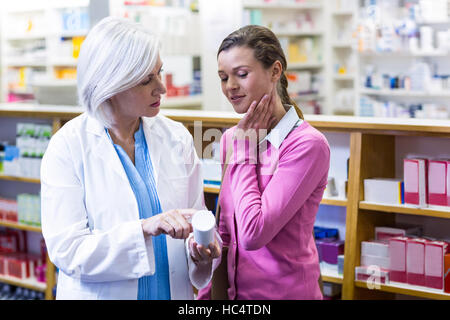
column 386, row 233
column 415, row 261
column 397, row 259
column 371, row 274
column 415, row 181
column 375, row 248
column 448, row 182
column 447, row 273
column 437, row 183
column 434, row 263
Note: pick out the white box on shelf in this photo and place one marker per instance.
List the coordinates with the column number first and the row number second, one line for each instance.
column 383, row 190
column 375, row 248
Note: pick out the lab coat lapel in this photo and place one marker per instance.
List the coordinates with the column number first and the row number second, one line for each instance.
column 155, row 145
column 104, row 149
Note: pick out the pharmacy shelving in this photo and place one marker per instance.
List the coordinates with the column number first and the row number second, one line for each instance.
column 342, row 16
column 34, row 31
column 372, row 153
column 404, row 289
column 419, row 39
column 301, row 28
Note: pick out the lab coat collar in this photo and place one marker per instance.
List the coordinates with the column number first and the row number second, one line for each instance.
column 105, row 149
column 289, row 121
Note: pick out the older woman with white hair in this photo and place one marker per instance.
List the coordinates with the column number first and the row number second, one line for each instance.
column 120, row 182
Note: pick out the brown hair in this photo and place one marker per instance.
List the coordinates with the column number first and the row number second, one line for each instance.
column 267, row 50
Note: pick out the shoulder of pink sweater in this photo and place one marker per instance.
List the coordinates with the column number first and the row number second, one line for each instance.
column 306, row 134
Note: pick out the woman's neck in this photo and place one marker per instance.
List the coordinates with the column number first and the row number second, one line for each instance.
column 279, row 111
column 122, row 132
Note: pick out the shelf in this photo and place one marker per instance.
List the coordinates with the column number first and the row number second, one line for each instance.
column 405, row 93
column 32, row 284
column 403, row 54
column 304, row 65
column 343, row 12
column 282, row 6
column 182, row 102
column 19, row 226
column 331, row 275
column 211, row 189
column 297, row 33
column 21, row 179
column 404, row 209
column 406, row 289
column 343, row 77
column 334, row 202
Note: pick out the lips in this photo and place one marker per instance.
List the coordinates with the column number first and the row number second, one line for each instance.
column 236, row 98
column 156, row 104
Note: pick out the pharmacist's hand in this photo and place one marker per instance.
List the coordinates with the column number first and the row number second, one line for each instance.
column 259, row 118
column 175, row 223
column 204, row 255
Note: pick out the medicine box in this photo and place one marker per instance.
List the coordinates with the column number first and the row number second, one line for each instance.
column 384, row 191
column 447, row 273
column 415, row 261
column 434, row 263
column 375, row 248
column 364, row 273
column 330, row 249
column 386, row 233
column 397, row 259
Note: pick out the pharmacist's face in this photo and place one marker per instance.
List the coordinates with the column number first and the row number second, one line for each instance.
column 142, row 100
column 243, row 78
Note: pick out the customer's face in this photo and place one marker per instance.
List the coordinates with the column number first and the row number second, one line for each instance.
column 142, row 100
column 243, row 78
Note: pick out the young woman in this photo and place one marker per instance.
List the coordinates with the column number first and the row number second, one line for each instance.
column 120, row 182
column 274, row 182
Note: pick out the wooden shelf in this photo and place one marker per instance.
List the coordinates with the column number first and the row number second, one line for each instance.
column 19, row 226
column 334, row 202
column 406, row 289
column 32, row 284
column 211, row 189
column 21, row 179
column 403, row 209
column 330, row 275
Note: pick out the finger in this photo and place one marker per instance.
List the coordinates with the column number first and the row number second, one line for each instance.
column 187, row 213
column 194, row 251
column 177, row 227
column 215, row 250
column 184, row 224
column 165, row 227
column 249, row 115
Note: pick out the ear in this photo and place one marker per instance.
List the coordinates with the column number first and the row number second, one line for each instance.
column 277, row 70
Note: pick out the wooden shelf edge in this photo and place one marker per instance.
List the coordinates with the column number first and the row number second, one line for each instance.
column 334, row 202
column 332, row 279
column 409, row 290
column 405, row 210
column 28, row 284
column 19, row 226
column 21, row 179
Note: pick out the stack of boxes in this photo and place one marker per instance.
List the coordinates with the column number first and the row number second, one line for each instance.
column 426, row 183
column 16, row 261
column 331, row 256
column 402, row 255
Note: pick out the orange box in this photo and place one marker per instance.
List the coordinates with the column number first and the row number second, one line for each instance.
column 447, row 273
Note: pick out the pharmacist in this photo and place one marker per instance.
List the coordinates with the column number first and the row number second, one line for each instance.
column 120, row 182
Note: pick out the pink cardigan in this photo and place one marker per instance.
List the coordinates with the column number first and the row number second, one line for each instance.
column 268, row 214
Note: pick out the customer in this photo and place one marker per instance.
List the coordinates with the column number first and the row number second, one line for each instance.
column 119, row 178
column 274, row 183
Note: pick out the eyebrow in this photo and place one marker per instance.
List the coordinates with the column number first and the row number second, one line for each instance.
column 152, row 74
column 235, row 68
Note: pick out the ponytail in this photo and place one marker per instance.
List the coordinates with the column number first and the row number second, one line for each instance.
column 284, row 95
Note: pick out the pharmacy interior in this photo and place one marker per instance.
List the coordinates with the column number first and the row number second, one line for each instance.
column 372, row 75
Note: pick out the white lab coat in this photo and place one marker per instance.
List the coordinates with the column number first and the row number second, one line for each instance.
column 90, row 217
